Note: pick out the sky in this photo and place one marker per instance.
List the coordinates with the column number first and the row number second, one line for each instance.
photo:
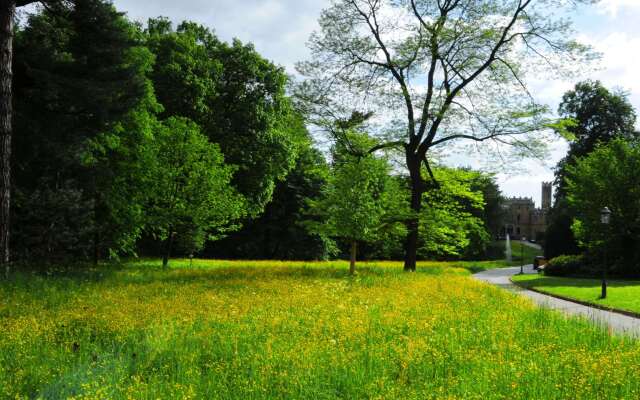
column 279, row 29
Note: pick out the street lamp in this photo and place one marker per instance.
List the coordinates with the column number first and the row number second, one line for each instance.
column 605, row 219
column 522, row 240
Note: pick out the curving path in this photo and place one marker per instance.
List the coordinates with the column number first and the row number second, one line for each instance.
column 617, row 322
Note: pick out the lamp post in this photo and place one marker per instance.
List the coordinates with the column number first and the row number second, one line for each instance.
column 522, row 240
column 605, row 219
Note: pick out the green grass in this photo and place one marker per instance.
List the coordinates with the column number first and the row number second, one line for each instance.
column 268, row 329
column 521, row 252
column 622, row 295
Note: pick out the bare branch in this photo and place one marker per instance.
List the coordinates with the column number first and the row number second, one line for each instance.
column 397, row 74
column 428, row 142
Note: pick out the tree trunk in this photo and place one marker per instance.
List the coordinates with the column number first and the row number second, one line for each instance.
column 7, row 13
column 167, row 249
column 96, row 247
column 417, row 188
column 96, row 223
column 352, row 263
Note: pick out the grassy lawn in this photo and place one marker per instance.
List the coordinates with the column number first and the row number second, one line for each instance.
column 519, row 252
column 623, row 295
column 262, row 329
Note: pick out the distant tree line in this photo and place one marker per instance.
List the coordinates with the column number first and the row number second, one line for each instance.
column 155, row 140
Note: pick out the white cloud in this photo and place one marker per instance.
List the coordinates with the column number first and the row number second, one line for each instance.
column 620, row 58
column 278, row 28
column 612, row 7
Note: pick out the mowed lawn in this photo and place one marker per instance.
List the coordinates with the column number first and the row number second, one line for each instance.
column 252, row 330
column 521, row 253
column 623, row 295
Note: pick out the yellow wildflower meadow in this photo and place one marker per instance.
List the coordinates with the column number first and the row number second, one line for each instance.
column 268, row 329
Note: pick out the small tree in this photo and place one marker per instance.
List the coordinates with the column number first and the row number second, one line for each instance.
column 192, row 191
column 361, row 199
column 609, row 176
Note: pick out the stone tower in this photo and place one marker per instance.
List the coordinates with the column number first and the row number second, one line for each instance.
column 546, row 195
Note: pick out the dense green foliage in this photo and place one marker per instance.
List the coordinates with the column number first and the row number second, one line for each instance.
column 101, row 113
column 593, row 116
column 280, row 232
column 71, row 66
column 452, row 223
column 236, row 96
column 608, row 176
column 598, row 116
column 152, row 140
column 569, row 265
column 193, row 198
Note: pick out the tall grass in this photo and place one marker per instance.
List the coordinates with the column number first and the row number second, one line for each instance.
column 263, row 329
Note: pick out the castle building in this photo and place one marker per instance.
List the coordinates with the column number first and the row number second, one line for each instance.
column 522, row 220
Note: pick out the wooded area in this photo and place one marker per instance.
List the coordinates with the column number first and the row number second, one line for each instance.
column 155, row 140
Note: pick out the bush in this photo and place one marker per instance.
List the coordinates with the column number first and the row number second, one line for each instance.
column 565, row 266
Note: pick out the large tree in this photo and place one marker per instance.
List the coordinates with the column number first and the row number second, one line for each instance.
column 608, row 176
column 83, row 110
column 7, row 18
column 453, row 69
column 594, row 116
column 236, row 96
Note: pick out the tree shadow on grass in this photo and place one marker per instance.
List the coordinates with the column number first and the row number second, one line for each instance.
column 73, row 278
column 25, row 274
column 235, row 276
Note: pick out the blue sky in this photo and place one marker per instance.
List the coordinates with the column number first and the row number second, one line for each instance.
column 280, row 28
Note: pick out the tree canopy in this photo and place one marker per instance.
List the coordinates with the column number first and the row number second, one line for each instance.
column 192, row 192
column 609, row 176
column 593, row 115
column 454, row 70
column 236, row 97
column 71, row 114
column 361, row 200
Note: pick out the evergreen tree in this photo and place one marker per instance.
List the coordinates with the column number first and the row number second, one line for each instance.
column 80, row 76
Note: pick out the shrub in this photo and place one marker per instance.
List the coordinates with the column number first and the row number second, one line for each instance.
column 565, row 266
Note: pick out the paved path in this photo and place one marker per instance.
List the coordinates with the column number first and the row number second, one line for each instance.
column 617, row 322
